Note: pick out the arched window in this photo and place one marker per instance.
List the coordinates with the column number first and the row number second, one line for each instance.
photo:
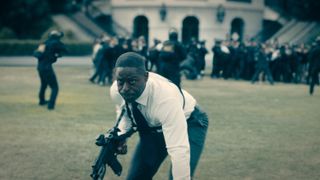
column 141, row 27
column 237, row 26
column 190, row 29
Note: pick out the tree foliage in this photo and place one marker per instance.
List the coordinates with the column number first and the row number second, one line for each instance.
column 301, row 9
column 58, row 6
column 26, row 18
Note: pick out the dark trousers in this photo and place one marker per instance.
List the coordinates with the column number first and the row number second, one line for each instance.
column 48, row 78
column 151, row 149
column 267, row 72
column 314, row 80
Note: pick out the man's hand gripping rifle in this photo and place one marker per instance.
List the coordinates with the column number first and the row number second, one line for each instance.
column 108, row 154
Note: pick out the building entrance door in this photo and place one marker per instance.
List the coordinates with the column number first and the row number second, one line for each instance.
column 190, row 29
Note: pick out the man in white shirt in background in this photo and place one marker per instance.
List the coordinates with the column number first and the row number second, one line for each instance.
column 167, row 118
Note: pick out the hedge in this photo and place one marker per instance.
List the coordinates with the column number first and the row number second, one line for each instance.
column 27, row 47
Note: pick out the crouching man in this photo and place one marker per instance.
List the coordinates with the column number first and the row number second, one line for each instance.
column 168, row 120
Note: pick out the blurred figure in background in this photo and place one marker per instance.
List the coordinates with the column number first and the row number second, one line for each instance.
column 314, row 67
column 262, row 65
column 154, row 55
column 203, row 51
column 47, row 54
column 220, row 55
column 170, row 57
column 103, row 63
column 95, row 51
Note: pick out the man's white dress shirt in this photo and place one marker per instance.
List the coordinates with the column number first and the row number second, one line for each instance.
column 162, row 104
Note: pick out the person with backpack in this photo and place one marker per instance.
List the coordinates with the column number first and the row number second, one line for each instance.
column 171, row 55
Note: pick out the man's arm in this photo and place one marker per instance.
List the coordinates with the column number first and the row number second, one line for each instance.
column 174, row 126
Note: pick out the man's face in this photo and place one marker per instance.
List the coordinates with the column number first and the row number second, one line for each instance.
column 131, row 82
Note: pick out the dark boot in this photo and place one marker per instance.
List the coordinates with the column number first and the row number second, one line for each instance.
column 43, row 102
column 51, row 106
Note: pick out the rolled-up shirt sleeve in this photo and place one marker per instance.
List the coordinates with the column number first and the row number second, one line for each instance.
column 174, row 126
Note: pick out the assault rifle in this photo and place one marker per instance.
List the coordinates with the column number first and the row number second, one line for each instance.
column 108, row 153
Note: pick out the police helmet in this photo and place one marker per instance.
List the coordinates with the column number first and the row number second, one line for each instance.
column 56, row 33
column 173, row 34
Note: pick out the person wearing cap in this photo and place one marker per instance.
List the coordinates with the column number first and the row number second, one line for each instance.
column 168, row 120
column 47, row 54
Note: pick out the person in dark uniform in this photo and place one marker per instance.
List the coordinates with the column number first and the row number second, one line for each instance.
column 168, row 120
column 154, row 55
column 193, row 51
column 250, row 62
column 188, row 67
column 314, row 65
column 220, row 56
column 170, row 57
column 104, row 63
column 262, row 65
column 240, row 61
column 203, row 51
column 47, row 54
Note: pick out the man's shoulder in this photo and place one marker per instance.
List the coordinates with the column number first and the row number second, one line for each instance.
column 161, row 86
column 158, row 80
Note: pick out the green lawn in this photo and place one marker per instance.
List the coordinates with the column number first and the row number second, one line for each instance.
column 256, row 131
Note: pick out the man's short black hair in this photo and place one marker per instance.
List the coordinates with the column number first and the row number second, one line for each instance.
column 131, row 59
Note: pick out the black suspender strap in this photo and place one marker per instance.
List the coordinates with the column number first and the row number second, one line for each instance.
column 134, row 125
column 127, row 134
column 184, row 99
column 139, row 121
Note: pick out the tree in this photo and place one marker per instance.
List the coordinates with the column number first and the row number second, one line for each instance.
column 58, row 6
column 27, row 18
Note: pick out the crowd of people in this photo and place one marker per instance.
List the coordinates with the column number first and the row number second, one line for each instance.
column 169, row 58
column 281, row 62
column 248, row 60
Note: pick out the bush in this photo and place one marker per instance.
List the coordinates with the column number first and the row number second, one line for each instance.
column 27, row 47
column 26, row 18
column 7, row 33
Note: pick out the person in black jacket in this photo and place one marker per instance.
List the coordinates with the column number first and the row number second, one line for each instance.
column 47, row 54
column 221, row 54
column 314, row 65
column 262, row 65
column 104, row 63
column 170, row 57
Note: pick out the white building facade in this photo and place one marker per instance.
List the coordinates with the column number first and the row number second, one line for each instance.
column 201, row 19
